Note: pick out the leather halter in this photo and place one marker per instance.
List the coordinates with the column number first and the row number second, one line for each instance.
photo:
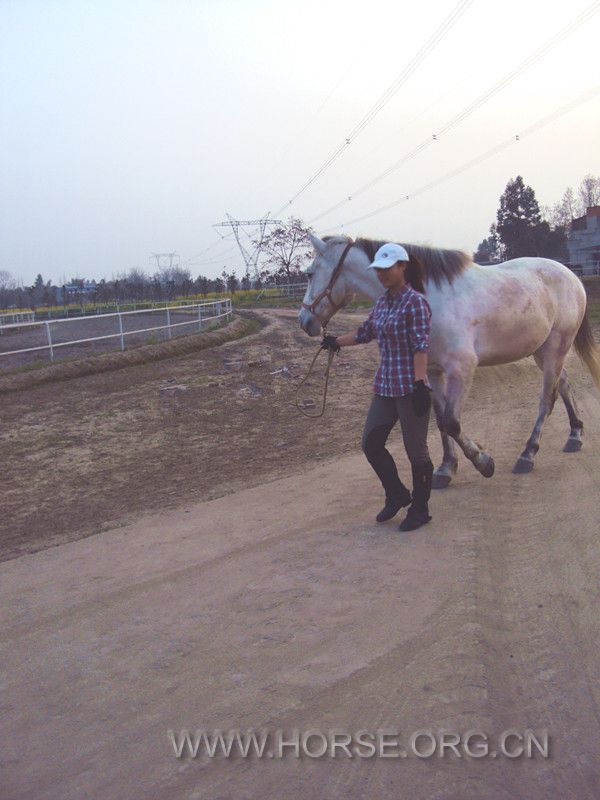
column 328, row 289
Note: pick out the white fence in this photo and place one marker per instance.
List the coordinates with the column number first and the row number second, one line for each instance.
column 283, row 290
column 15, row 317
column 200, row 313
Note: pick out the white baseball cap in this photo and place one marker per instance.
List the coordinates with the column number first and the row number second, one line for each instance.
column 388, row 255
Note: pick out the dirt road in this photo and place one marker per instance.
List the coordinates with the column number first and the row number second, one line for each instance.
column 284, row 606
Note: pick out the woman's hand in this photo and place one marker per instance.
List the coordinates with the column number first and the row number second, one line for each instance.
column 330, row 343
column 421, row 399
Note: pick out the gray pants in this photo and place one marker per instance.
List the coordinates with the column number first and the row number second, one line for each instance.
column 383, row 415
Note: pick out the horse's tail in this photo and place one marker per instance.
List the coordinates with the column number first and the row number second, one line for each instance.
column 587, row 350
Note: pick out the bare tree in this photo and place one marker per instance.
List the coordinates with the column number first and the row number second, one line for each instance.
column 589, row 191
column 7, row 286
column 230, row 280
column 7, row 282
column 285, row 250
column 561, row 214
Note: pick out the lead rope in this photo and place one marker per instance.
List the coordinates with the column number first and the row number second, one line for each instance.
column 330, row 356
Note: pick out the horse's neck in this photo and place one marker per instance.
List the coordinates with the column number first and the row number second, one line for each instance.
column 364, row 282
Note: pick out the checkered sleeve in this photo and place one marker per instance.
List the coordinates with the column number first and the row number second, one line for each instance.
column 366, row 331
column 419, row 324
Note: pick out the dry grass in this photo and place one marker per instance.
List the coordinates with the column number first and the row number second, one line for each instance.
column 38, row 373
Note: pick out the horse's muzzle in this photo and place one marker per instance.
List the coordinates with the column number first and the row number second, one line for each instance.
column 309, row 323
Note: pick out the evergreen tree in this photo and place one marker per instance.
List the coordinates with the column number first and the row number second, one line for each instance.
column 518, row 217
column 522, row 230
column 36, row 292
column 490, row 249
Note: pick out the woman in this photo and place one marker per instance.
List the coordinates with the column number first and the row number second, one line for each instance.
column 400, row 321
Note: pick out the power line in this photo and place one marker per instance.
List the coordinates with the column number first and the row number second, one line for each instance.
column 536, row 126
column 191, row 259
column 250, row 257
column 398, row 82
column 528, row 62
column 472, row 107
column 217, row 260
column 308, row 122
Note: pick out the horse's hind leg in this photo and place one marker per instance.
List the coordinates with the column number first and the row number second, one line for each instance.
column 574, row 442
column 549, row 359
column 447, row 469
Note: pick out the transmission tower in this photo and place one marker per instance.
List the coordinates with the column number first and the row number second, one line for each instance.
column 161, row 260
column 250, row 256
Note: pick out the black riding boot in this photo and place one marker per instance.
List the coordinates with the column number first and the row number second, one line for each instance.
column 396, row 494
column 418, row 513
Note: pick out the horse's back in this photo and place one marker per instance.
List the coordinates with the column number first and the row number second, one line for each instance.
column 546, row 269
column 556, row 283
column 506, row 311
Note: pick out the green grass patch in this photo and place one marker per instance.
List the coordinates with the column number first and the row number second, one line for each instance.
column 37, row 364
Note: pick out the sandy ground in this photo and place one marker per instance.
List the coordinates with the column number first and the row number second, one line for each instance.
column 283, row 605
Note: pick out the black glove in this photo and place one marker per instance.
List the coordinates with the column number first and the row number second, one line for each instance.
column 330, row 343
column 421, row 399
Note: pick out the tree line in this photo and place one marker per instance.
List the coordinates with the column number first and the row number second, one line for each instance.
column 523, row 228
column 283, row 255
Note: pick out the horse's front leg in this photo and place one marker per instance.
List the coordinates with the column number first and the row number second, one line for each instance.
column 459, row 377
column 447, row 470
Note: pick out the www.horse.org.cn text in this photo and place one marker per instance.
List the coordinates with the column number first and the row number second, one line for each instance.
column 336, row 743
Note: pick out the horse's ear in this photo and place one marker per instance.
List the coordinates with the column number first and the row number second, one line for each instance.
column 317, row 243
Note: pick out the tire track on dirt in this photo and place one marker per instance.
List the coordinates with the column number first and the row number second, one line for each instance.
column 526, row 600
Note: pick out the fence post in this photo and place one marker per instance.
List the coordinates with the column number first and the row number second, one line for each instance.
column 49, row 335
column 169, row 330
column 122, row 338
column 199, row 317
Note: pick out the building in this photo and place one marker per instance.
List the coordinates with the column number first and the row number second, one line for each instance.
column 584, row 243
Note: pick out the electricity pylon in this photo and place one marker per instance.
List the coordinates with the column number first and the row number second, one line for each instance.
column 160, row 260
column 250, row 256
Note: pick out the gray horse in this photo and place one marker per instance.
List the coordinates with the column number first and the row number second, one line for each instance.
column 481, row 316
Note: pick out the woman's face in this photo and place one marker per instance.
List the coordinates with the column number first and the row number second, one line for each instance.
column 392, row 277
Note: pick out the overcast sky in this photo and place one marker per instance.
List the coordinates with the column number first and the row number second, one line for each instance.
column 129, row 128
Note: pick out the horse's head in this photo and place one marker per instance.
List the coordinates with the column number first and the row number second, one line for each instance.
column 329, row 287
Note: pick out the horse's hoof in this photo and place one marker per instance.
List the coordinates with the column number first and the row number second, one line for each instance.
column 573, row 445
column 487, row 467
column 523, row 466
column 440, row 481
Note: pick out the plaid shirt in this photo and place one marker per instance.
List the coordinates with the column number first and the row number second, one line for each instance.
column 401, row 324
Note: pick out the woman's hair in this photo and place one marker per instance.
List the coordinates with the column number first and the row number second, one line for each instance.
column 413, row 274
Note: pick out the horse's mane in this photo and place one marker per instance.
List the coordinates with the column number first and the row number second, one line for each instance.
column 437, row 264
